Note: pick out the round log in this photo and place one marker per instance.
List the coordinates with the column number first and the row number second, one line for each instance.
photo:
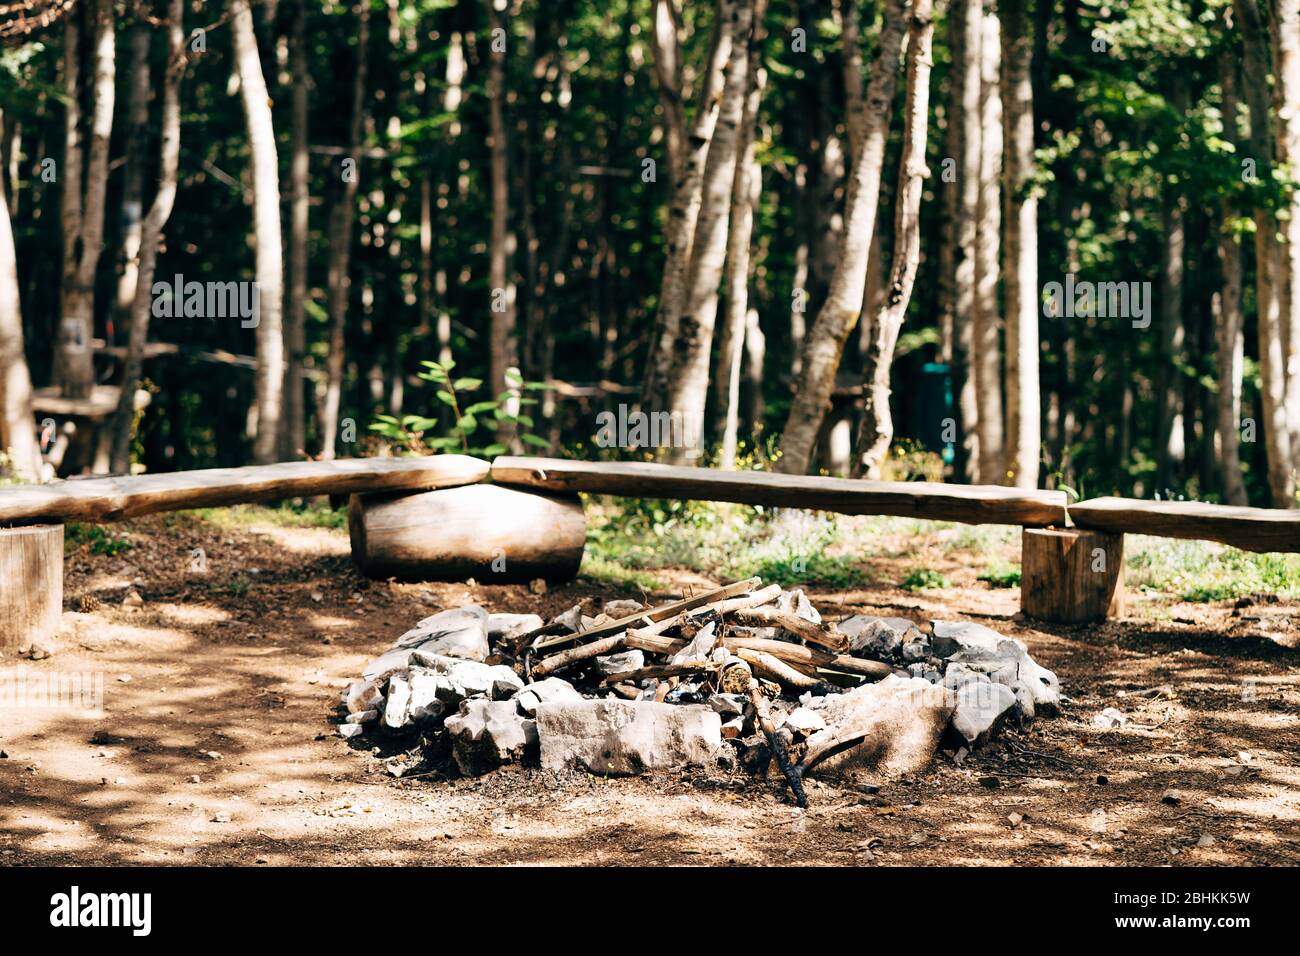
column 31, row 585
column 1071, row 576
column 486, row 532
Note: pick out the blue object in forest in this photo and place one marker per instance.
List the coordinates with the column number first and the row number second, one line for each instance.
column 935, row 410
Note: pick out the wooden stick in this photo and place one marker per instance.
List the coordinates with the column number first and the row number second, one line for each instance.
column 654, row 615
column 574, row 655
column 641, row 639
column 763, row 718
column 765, row 665
column 811, row 656
column 822, row 634
column 660, row 671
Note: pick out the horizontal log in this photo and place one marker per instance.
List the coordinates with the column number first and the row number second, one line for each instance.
column 1251, row 529
column 487, row 532
column 970, row 504
column 110, row 499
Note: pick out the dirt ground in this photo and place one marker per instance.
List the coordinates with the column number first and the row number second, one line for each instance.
column 215, row 745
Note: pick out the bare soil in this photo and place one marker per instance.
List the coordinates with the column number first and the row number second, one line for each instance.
column 216, row 743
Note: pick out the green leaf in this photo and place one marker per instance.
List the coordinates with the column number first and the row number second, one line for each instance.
column 467, row 384
column 526, row 421
column 491, row 451
column 446, row 396
column 535, row 440
column 445, row 442
column 479, row 407
column 467, row 423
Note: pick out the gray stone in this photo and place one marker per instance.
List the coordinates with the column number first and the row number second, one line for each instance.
column 699, row 647
column 507, row 626
column 348, row 731
column 488, row 733
column 982, row 708
column 544, row 691
column 881, row 638
column 917, row 649
column 622, row 737
column 1004, row 659
column 804, row 722
column 797, row 602
column 900, row 719
column 570, row 621
column 621, row 608
column 728, row 705
column 458, row 632
column 362, row 695
column 363, row 717
column 611, row 664
column 464, row 678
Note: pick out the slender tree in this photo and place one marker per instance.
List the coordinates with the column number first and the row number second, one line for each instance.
column 294, row 425
column 839, row 314
column 17, row 427
column 877, row 429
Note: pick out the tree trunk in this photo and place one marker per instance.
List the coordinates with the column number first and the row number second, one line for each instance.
column 76, row 366
column 1286, row 15
column 504, row 344
column 668, row 73
column 269, row 376
column 688, row 384
column 966, row 25
column 17, row 426
column 294, row 428
column 133, row 178
column 839, row 314
column 986, row 345
column 1229, row 324
column 339, row 278
column 1272, row 371
column 877, row 429
column 160, row 211
column 688, row 191
column 1020, row 254
column 731, row 348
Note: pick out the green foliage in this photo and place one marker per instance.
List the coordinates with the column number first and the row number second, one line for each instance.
column 1202, row 572
column 98, row 540
column 923, row 579
column 1002, row 574
column 463, row 434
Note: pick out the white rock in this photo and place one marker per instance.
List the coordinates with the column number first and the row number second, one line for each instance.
column 804, row 721
column 699, row 647
column 488, row 733
column 570, row 621
column 623, row 737
column 458, row 632
column 544, row 691
column 982, row 708
column 463, row 678
column 901, row 720
column 393, row 661
column 877, row 637
column 798, row 602
column 362, row 695
column 621, row 608
column 500, row 626
column 1005, row 660
column 1109, row 718
column 610, row 664
column 348, row 731
column 399, row 700
column 363, row 717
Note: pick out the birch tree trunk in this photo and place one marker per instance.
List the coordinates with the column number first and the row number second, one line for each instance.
column 839, row 314
column 1172, row 451
column 688, row 382
column 1268, row 264
column 1020, row 253
column 986, row 317
column 82, row 248
column 294, row 427
column 877, row 429
column 1287, row 93
column 17, row 426
column 339, row 276
column 668, row 73
column 679, row 233
column 160, row 211
column 504, row 347
column 967, row 27
column 132, row 218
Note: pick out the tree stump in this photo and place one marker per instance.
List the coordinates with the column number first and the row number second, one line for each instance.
column 1071, row 576
column 31, row 584
column 486, row 532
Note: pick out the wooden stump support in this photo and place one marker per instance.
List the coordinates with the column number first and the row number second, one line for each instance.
column 1070, row 576
column 487, row 532
column 31, row 585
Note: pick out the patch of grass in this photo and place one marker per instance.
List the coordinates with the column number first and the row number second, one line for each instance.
column 100, row 541
column 603, row 570
column 1002, row 574
column 1202, row 572
column 837, row 571
column 283, row 515
column 923, row 579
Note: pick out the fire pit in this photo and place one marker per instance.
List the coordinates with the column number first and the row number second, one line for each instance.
column 742, row 675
